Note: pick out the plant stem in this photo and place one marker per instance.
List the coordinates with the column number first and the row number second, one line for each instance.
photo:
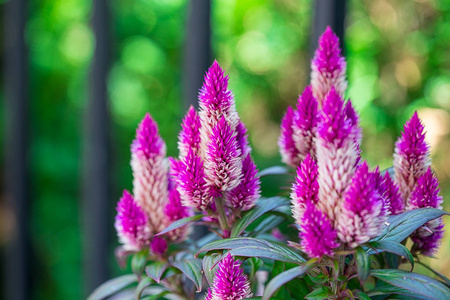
column 221, row 214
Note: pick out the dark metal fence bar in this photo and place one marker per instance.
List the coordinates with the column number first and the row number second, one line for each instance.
column 17, row 268
column 96, row 170
column 197, row 55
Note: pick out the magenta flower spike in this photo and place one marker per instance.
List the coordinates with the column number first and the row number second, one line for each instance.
column 380, row 186
column 230, row 282
column 328, row 67
column 397, row 206
column 215, row 101
column 304, row 125
column 191, row 181
column 305, row 188
column 353, row 119
column 288, row 150
column 174, row 210
column 411, row 157
column 131, row 224
column 242, row 139
column 362, row 215
column 189, row 137
column 337, row 155
column 426, row 194
column 244, row 196
column 150, row 170
column 223, row 165
column 318, row 237
column 158, row 246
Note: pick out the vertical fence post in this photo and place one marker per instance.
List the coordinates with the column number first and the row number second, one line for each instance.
column 96, row 169
column 17, row 268
column 197, row 54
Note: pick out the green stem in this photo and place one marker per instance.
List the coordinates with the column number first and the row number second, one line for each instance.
column 221, row 213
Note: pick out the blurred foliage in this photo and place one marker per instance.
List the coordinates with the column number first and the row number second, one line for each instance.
column 398, row 62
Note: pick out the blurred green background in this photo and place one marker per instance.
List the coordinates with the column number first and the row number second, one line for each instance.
column 398, row 55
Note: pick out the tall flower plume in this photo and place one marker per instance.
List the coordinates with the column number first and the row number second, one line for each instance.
column 230, row 282
column 150, row 170
column 426, row 194
column 189, row 137
column 305, row 188
column 362, row 216
column 337, row 155
column 131, row 224
column 288, row 150
column 328, row 67
column 411, row 157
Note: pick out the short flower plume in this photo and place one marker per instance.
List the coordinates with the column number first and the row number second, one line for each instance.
column 328, row 67
column 397, row 206
column 189, row 137
column 288, row 150
column 362, row 215
column 150, row 170
column 174, row 211
column 230, row 282
column 411, row 157
column 426, row 194
column 131, row 224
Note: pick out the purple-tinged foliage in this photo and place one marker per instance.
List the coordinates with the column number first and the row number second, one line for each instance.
column 328, row 67
column 230, row 282
column 362, row 216
column 305, row 188
column 158, row 246
column 244, row 196
column 223, row 164
column 318, row 237
column 288, row 150
column 174, row 210
column 189, row 137
column 411, row 157
column 337, row 155
column 397, row 206
column 150, row 170
column 131, row 224
column 305, row 123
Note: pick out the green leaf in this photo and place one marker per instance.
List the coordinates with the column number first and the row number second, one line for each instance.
column 319, row 279
column 208, row 262
column 319, row 294
column 112, row 286
column 156, row 297
column 417, row 284
column 255, row 264
column 275, row 170
column 261, row 208
column 156, row 270
column 402, row 225
column 394, row 247
column 180, row 223
column 446, row 280
column 252, row 247
column 390, row 289
column 360, row 295
column 281, row 279
column 363, row 264
column 192, row 268
column 138, row 263
column 145, row 282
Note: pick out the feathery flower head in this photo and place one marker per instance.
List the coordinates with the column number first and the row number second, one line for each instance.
column 223, row 164
column 174, row 210
column 242, row 139
column 191, row 181
column 328, row 67
column 428, row 242
column 353, row 119
column 288, row 150
column 244, row 196
column 131, row 224
column 318, row 237
column 380, row 186
column 337, row 155
column 392, row 193
column 148, row 142
column 158, row 246
column 305, row 121
column 230, row 282
column 411, row 157
column 189, row 137
column 362, row 216
column 305, row 188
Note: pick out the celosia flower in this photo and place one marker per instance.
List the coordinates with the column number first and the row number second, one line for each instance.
column 411, row 157
column 242, row 139
column 426, row 194
column 392, row 193
column 328, row 67
column 230, row 282
column 243, row 197
column 174, row 211
column 189, row 137
column 380, row 186
column 362, row 216
column 288, row 150
column 353, row 119
column 191, row 181
column 336, row 155
column 223, row 164
column 131, row 224
column 318, row 237
column 304, row 124
column 305, row 188
column 216, row 101
column 150, row 170
column 158, row 246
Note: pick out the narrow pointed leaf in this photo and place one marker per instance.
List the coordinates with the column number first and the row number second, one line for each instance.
column 363, row 264
column 391, row 290
column 192, row 268
column 393, row 247
column 145, row 282
column 180, row 223
column 275, row 170
column 209, row 264
column 156, row 270
column 319, row 294
column 112, row 286
column 138, row 263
